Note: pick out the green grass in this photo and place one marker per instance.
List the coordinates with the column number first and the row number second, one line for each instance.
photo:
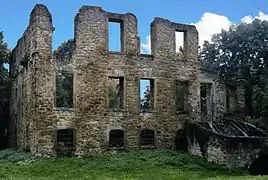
column 142, row 164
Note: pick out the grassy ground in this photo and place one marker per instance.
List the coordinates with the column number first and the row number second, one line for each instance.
column 142, row 164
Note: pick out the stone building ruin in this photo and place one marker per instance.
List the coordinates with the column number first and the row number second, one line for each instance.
column 84, row 118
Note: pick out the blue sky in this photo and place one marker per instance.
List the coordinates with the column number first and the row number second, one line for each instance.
column 15, row 13
column 209, row 16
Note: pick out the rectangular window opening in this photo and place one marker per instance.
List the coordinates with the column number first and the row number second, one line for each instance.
column 181, row 96
column 146, row 95
column 64, row 89
column 231, row 98
column 116, row 93
column 180, row 48
column 115, row 36
column 65, row 142
column 206, row 101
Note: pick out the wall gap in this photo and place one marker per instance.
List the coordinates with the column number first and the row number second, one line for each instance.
column 64, row 89
column 116, row 138
column 147, row 95
column 181, row 96
column 65, row 142
column 180, row 45
column 206, row 101
column 115, row 93
column 115, row 35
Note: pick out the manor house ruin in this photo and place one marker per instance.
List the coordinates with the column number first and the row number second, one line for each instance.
column 88, row 98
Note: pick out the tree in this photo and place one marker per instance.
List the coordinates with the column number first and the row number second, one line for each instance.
column 65, row 48
column 240, row 54
column 4, row 81
column 4, row 58
column 145, row 102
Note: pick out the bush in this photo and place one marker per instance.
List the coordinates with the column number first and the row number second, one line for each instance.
column 14, row 155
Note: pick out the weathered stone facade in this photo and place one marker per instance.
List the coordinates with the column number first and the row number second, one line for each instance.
column 36, row 121
column 34, row 115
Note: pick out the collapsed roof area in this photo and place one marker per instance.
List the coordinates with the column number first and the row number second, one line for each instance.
column 230, row 127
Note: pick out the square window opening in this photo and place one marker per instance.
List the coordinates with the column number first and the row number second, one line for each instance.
column 64, row 90
column 181, row 96
column 146, row 95
column 115, row 93
column 180, row 47
column 115, row 35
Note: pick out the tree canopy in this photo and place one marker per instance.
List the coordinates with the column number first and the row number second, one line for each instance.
column 4, row 58
column 241, row 54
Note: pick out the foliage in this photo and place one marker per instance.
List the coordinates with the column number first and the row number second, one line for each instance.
column 180, row 55
column 140, row 164
column 240, row 55
column 4, row 58
column 145, row 103
column 65, row 48
column 14, row 155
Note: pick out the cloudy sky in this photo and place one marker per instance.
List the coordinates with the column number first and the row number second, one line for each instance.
column 209, row 24
column 209, row 16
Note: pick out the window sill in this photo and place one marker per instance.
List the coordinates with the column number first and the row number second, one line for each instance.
column 182, row 112
column 147, row 147
column 63, row 109
column 116, row 111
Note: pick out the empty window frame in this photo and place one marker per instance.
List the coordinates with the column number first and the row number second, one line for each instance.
column 65, row 142
column 181, row 96
column 206, row 101
column 116, row 138
column 180, row 45
column 231, row 98
column 146, row 95
column 64, row 89
column 115, row 93
column 147, row 138
column 115, row 35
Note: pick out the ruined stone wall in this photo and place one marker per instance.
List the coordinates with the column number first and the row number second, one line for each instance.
column 31, row 60
column 218, row 106
column 91, row 64
column 231, row 151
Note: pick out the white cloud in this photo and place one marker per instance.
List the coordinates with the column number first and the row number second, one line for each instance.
column 261, row 16
column 209, row 24
column 146, row 47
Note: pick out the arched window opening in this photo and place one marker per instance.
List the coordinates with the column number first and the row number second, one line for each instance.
column 116, row 138
column 65, row 142
column 147, row 139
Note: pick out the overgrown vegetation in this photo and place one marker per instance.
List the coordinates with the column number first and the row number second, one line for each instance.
column 64, row 49
column 4, row 91
column 141, row 164
column 4, row 58
column 241, row 55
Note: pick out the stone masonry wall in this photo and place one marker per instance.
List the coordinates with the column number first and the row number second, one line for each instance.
column 231, row 151
column 218, row 107
column 91, row 64
column 32, row 59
